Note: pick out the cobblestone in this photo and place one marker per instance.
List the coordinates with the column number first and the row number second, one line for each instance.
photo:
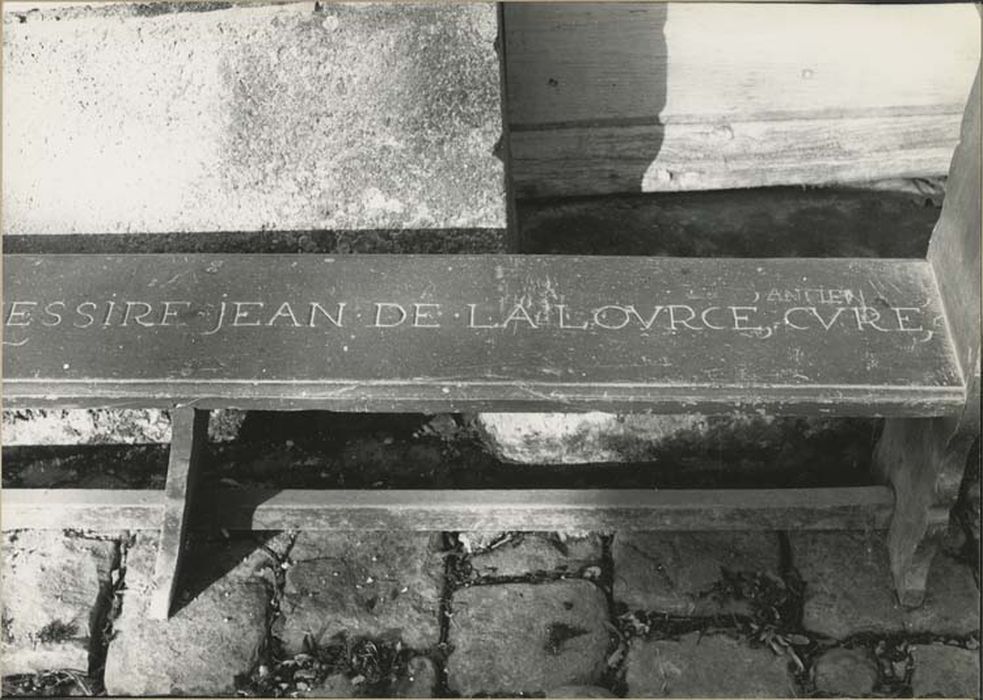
column 945, row 671
column 673, row 572
column 848, row 584
column 216, row 630
column 705, row 666
column 527, row 638
column 365, row 584
column 537, row 553
column 952, row 601
column 847, row 673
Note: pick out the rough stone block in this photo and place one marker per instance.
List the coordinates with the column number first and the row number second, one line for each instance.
column 527, row 638
column 215, row 633
column 848, row 584
column 705, row 666
column 56, row 590
column 365, row 584
column 944, row 671
column 252, row 117
column 845, row 673
column 677, row 572
column 579, row 438
column 537, row 553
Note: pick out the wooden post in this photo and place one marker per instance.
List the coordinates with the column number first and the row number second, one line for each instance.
column 924, row 458
column 189, row 432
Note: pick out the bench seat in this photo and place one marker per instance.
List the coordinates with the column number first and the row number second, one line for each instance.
column 466, row 333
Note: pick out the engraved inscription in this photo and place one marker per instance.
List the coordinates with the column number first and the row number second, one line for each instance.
column 776, row 311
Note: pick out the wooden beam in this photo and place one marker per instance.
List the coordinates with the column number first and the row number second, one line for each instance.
column 82, row 509
column 189, row 433
column 458, row 333
column 450, row 510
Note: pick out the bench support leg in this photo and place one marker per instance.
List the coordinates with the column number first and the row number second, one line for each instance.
column 189, row 432
column 924, row 460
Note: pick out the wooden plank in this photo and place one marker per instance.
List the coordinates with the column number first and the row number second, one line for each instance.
column 189, row 429
column 630, row 158
column 545, row 509
column 609, row 509
column 864, row 337
column 689, row 86
column 348, row 117
column 82, row 509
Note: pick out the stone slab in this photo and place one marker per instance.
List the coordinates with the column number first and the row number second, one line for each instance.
column 363, row 584
column 527, row 638
column 676, row 572
column 848, row 585
column 274, row 116
column 217, row 628
column 944, row 671
column 56, row 590
column 845, row 673
column 533, row 553
column 705, row 666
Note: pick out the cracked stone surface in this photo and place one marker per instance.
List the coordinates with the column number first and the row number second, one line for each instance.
column 839, row 605
column 56, row 588
column 673, row 572
column 944, row 671
column 527, row 638
column 705, row 666
column 537, row 553
column 216, row 630
column 364, row 584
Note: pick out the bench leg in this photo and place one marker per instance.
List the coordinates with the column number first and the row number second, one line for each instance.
column 189, row 432
column 924, row 460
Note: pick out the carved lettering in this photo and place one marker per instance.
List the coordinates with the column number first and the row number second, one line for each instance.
column 379, row 306
column 91, row 318
column 285, row 311
column 242, row 313
column 53, row 314
column 19, row 318
column 147, row 309
column 563, row 313
column 317, row 308
column 170, row 313
column 902, row 313
column 421, row 313
column 601, row 314
column 517, row 314
column 471, row 319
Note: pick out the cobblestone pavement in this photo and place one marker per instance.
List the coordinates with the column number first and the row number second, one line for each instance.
column 462, row 614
